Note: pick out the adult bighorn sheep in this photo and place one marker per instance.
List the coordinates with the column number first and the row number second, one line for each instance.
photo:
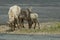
column 30, row 17
column 13, row 13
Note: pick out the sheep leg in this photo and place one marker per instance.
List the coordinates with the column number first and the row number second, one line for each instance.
column 34, row 22
column 35, row 25
column 38, row 24
column 12, row 26
column 22, row 23
column 17, row 23
column 30, row 24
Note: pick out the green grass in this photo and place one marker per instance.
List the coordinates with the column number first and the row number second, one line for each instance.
column 54, row 28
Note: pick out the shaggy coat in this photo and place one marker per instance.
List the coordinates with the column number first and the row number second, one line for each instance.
column 34, row 19
column 13, row 13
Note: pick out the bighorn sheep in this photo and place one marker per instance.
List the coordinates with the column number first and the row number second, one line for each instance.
column 13, row 13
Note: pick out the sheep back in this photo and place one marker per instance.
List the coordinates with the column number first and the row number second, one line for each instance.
column 34, row 15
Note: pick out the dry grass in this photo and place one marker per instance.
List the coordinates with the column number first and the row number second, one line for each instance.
column 45, row 28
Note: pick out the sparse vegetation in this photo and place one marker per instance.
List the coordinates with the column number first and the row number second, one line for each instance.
column 44, row 28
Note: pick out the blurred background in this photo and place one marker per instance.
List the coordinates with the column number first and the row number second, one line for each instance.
column 48, row 10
